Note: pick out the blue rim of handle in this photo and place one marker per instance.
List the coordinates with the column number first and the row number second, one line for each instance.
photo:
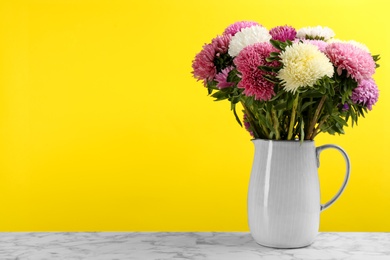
column 347, row 171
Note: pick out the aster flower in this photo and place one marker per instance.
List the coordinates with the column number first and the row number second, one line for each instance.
column 359, row 45
column 283, row 33
column 366, row 93
column 268, row 69
column 320, row 44
column 221, row 44
column 345, row 107
column 203, row 66
column 355, row 43
column 236, row 27
column 315, row 33
column 246, row 37
column 248, row 62
column 221, row 78
column 303, row 65
column 358, row 63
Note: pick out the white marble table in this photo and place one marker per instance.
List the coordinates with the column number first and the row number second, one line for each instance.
column 207, row 245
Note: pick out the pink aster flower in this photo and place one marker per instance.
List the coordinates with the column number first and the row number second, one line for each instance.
column 247, row 62
column 203, row 66
column 358, row 63
column 321, row 45
column 221, row 78
column 236, row 27
column 366, row 93
column 221, row 44
column 283, row 33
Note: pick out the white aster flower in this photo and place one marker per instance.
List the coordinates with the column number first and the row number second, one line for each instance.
column 246, row 37
column 315, row 33
column 303, row 65
column 362, row 46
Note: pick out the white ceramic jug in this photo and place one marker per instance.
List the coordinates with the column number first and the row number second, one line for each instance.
column 284, row 193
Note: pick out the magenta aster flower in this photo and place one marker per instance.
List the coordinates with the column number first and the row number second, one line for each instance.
column 358, row 63
column 221, row 44
column 236, row 27
column 320, row 44
column 283, row 33
column 366, row 93
column 203, row 66
column 221, row 78
column 247, row 62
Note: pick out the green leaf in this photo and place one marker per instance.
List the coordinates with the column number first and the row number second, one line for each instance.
column 220, row 95
column 288, row 42
column 277, row 44
column 312, row 94
column 347, row 117
column 361, row 111
column 306, row 104
column 249, row 101
column 290, row 103
column 339, row 120
column 329, row 106
column 281, row 106
column 376, row 57
column 233, row 76
column 235, row 114
column 277, row 96
column 271, row 79
column 266, row 68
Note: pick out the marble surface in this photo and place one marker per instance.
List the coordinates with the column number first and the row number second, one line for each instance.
column 202, row 245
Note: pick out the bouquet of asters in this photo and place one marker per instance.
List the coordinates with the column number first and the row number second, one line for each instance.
column 292, row 84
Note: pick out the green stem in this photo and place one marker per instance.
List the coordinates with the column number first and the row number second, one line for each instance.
column 265, row 130
column 315, row 132
column 275, row 123
column 292, row 119
column 308, row 118
column 315, row 119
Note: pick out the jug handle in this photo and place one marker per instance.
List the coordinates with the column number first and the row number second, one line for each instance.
column 347, row 172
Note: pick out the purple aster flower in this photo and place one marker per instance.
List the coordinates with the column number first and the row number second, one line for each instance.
column 283, row 33
column 236, row 27
column 345, row 107
column 366, row 93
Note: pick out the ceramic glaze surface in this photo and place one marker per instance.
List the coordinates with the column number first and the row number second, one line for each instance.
column 284, row 195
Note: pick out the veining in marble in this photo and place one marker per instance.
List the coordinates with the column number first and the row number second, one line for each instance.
column 191, row 246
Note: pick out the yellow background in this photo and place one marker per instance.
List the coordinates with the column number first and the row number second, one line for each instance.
column 102, row 126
